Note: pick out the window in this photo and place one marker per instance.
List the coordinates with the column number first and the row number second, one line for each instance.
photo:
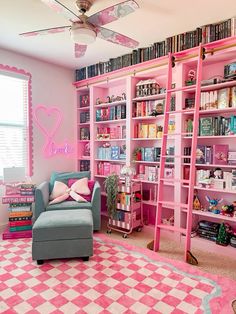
column 15, row 120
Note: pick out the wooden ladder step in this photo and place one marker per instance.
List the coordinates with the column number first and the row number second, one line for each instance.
column 174, row 180
column 172, row 228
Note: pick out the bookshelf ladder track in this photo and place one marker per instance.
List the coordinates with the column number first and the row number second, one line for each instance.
column 161, row 182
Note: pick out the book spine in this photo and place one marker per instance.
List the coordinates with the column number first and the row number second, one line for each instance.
column 17, row 199
column 20, row 228
column 20, row 223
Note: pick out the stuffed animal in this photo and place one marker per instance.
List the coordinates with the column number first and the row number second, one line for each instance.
column 213, row 204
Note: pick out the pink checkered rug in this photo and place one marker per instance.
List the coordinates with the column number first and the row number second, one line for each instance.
column 119, row 278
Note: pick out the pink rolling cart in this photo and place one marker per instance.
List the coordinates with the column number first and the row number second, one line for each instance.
column 129, row 215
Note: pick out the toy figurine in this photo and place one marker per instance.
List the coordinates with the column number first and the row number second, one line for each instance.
column 124, row 96
column 196, row 202
column 98, row 101
column 213, row 204
column 218, row 174
column 227, row 210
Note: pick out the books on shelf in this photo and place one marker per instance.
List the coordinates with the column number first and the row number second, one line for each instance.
column 84, row 117
column 84, row 134
column 220, row 154
column 107, row 168
column 111, row 113
column 204, row 34
column 84, row 99
column 116, row 132
column 84, row 165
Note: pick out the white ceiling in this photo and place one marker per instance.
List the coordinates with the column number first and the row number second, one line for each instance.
column 152, row 22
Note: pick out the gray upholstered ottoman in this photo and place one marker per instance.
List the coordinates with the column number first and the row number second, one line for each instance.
column 63, row 234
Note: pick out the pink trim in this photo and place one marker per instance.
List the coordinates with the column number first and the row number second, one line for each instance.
column 7, row 68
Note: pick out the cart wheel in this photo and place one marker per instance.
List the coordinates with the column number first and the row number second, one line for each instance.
column 139, row 229
column 109, row 231
column 125, row 236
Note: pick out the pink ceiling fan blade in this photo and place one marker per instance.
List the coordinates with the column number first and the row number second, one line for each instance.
column 113, row 13
column 116, row 38
column 47, row 31
column 80, row 50
column 61, row 9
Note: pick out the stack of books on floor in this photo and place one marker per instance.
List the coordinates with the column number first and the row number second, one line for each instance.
column 208, row 230
column 20, row 213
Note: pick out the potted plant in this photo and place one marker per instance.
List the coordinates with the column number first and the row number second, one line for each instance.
column 111, row 187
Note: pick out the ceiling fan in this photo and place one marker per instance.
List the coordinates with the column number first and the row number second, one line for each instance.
column 84, row 29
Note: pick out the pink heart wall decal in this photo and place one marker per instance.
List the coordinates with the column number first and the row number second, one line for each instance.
column 51, row 113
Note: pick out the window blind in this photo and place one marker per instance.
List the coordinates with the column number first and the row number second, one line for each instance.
column 14, row 124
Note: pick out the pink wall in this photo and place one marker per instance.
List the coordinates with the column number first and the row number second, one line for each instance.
column 51, row 86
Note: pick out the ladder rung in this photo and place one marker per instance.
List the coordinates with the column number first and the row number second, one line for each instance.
column 172, row 134
column 174, row 204
column 174, row 180
column 174, row 156
column 180, row 111
column 171, row 228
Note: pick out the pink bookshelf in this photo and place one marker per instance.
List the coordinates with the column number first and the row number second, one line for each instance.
column 125, row 81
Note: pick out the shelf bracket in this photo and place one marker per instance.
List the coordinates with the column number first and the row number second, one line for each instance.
column 173, row 61
column 203, row 53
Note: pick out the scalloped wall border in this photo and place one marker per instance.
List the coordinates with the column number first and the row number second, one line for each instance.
column 10, row 69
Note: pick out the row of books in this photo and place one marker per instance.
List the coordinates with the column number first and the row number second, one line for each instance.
column 107, row 168
column 216, row 179
column 148, row 108
column 84, row 165
column 20, row 188
column 20, row 221
column 111, row 113
column 217, row 126
column 117, row 132
column 124, row 199
column 203, row 34
column 123, row 219
column 84, row 117
column 84, row 134
column 213, row 126
column 217, row 154
column 218, row 99
column 150, row 173
column 19, row 207
column 111, row 152
column 84, row 100
column 152, row 130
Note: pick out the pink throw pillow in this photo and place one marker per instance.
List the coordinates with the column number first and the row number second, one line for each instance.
column 90, row 185
column 62, row 192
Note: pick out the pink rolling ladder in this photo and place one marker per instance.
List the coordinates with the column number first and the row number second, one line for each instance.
column 161, row 180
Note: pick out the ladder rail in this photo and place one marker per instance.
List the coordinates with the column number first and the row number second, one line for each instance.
column 193, row 151
column 160, row 201
column 163, row 153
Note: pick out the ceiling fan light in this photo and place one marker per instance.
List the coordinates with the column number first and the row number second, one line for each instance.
column 83, row 35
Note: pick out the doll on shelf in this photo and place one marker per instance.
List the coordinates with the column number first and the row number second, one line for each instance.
column 218, row 173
